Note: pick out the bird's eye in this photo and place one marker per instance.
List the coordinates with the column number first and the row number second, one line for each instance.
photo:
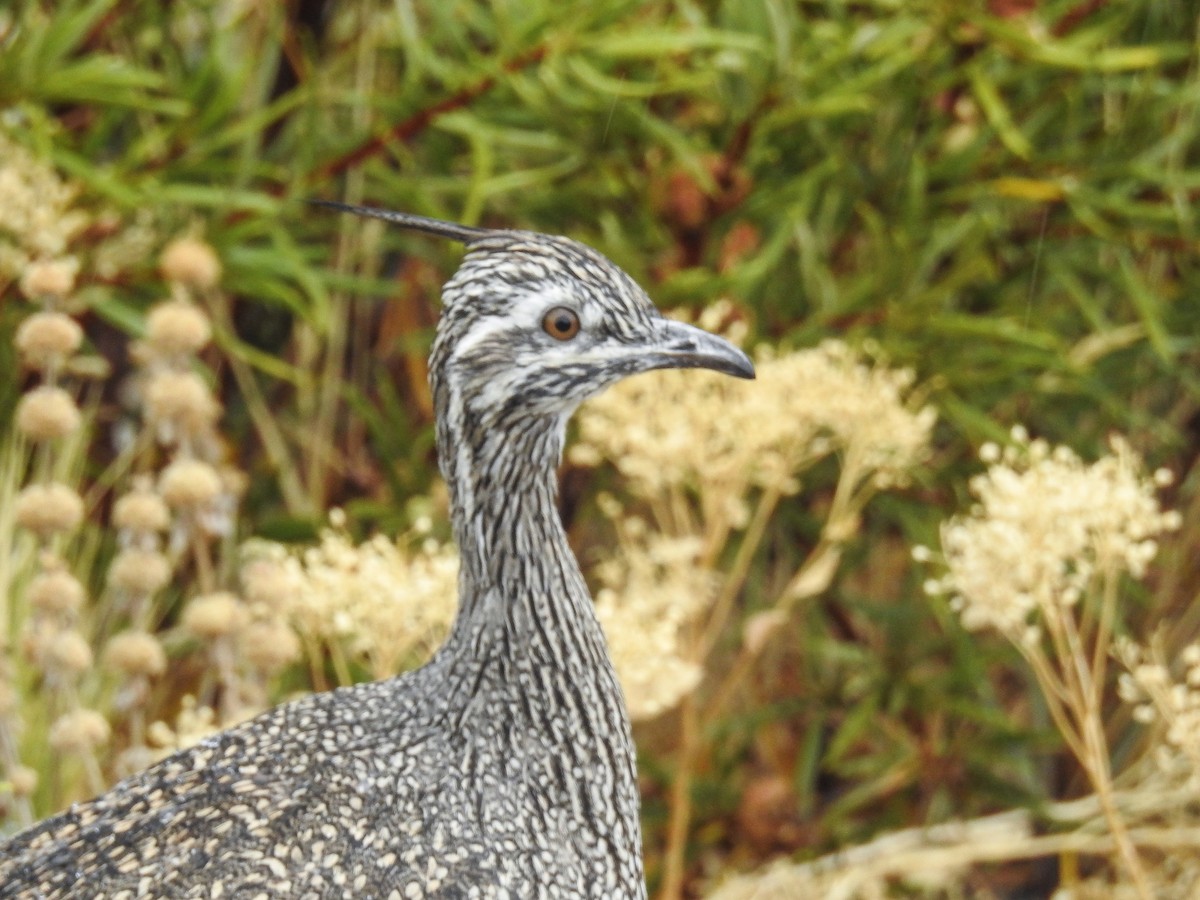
column 561, row 323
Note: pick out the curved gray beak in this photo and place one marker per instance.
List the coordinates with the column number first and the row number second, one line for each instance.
column 683, row 346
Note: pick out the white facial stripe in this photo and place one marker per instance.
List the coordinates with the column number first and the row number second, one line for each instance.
column 526, row 312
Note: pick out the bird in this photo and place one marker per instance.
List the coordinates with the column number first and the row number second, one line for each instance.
column 504, row 767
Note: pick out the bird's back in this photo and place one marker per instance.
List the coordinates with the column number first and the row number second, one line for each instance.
column 400, row 788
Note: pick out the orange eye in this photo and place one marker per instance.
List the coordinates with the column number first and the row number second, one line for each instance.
column 561, row 323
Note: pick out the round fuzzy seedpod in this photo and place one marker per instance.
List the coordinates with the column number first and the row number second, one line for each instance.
column 55, row 592
column 135, row 654
column 45, row 339
column 134, row 759
column 23, row 781
column 181, row 399
column 79, row 731
column 46, row 413
column 48, row 278
column 269, row 646
column 46, row 509
column 176, row 327
column 141, row 510
column 69, row 653
column 268, row 584
column 191, row 262
column 139, row 572
column 189, row 484
column 216, row 615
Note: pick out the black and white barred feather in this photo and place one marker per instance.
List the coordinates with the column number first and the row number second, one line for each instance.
column 504, row 768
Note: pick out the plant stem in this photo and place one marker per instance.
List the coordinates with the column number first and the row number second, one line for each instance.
column 737, row 574
column 675, row 855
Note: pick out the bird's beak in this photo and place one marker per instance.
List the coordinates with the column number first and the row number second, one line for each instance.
column 683, row 346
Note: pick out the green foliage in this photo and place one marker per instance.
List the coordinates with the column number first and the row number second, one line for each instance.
column 1000, row 199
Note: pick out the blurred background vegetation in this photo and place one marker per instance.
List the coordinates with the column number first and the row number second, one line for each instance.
column 997, row 195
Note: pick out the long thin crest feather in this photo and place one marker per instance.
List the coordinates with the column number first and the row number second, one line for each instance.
column 463, row 233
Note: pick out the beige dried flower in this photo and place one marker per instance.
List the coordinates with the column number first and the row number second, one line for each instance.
column 189, row 484
column 1045, row 526
column 39, row 221
column 45, row 339
column 215, row 615
column 47, row 509
column 55, row 592
column 23, row 781
column 1168, row 699
column 179, row 402
column 177, row 327
column 49, row 278
column 47, row 413
column 193, row 724
column 269, row 584
column 79, row 731
column 136, row 654
column 138, row 571
column 648, row 593
column 386, row 603
column 269, row 646
column 134, row 759
column 192, row 262
column 141, row 510
column 69, row 654
column 722, row 436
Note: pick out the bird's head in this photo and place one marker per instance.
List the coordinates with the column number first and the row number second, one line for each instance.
column 532, row 325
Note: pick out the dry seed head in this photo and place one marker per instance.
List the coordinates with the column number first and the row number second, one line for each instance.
column 135, row 654
column 79, row 731
column 139, row 572
column 46, row 338
column 55, row 592
column 385, row 602
column 189, row 484
column 180, row 400
column 69, row 653
column 191, row 262
column 49, row 278
column 23, row 780
column 142, row 511
column 269, row 584
column 1046, row 529
column 47, row 413
column 177, row 327
column 134, row 759
column 269, row 646
column 648, row 592
column 215, row 615
column 46, row 509
column 723, row 436
column 192, row 724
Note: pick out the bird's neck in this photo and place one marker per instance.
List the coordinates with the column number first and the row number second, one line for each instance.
column 521, row 592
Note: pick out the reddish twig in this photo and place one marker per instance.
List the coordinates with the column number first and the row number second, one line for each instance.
column 408, row 128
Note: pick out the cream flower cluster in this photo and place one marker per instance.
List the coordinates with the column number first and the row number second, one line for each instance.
column 669, row 429
column 1044, row 526
column 1172, row 701
column 39, row 220
column 647, row 593
column 385, row 603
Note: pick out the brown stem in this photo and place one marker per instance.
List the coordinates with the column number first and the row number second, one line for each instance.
column 408, row 128
column 1102, row 781
column 675, row 854
column 737, row 573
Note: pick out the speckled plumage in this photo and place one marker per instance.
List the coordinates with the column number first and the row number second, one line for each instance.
column 505, row 767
